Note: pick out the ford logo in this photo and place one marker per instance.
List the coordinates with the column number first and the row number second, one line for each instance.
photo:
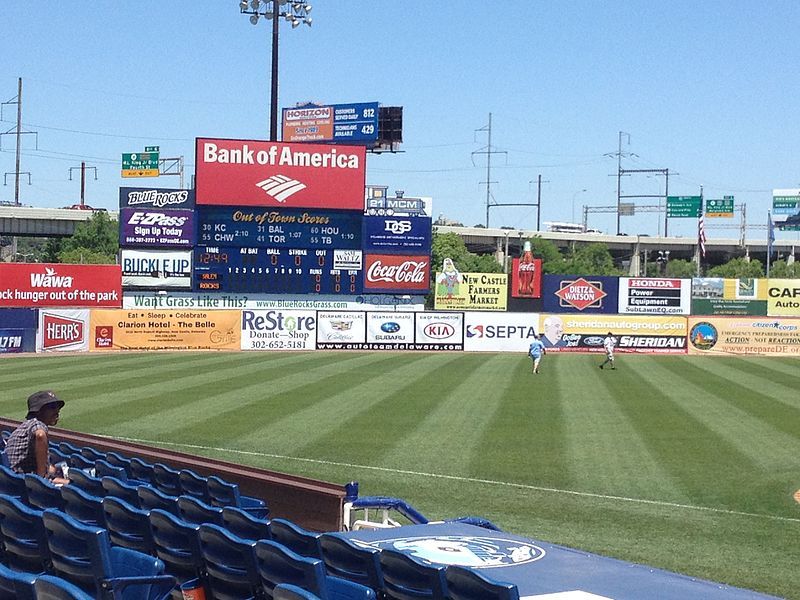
column 593, row 341
column 390, row 327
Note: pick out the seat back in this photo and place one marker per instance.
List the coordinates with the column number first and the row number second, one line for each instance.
column 193, row 484
column 230, row 563
column 15, row 585
column 68, row 448
column 277, row 564
column 90, row 485
column 103, row 468
column 128, row 526
column 48, row 587
column 91, row 454
column 42, row 494
column 176, row 543
column 150, row 498
column 470, row 584
column 355, row 563
column 224, row 493
column 12, row 484
column 4, row 461
column 245, row 525
column 166, row 479
column 408, row 578
column 78, row 461
column 82, row 506
column 122, row 490
column 196, row 511
column 23, row 536
column 297, row 539
column 287, row 591
column 56, row 456
column 141, row 470
column 116, row 459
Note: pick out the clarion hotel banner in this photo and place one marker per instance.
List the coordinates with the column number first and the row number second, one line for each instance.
column 46, row 285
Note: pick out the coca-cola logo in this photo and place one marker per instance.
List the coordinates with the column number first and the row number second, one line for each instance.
column 60, row 332
column 397, row 272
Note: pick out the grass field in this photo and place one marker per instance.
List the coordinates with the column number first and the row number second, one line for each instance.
column 685, row 463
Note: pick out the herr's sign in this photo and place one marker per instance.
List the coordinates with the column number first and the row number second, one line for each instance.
column 45, row 285
column 276, row 174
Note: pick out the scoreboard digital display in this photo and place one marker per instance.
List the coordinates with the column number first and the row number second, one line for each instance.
column 277, row 270
column 249, row 226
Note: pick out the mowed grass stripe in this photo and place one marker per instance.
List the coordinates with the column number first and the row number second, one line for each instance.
column 654, row 402
column 606, row 440
column 344, row 394
column 758, row 378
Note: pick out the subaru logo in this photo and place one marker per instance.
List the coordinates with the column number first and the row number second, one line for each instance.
column 390, row 327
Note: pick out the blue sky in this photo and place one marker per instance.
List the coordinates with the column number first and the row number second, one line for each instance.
column 708, row 90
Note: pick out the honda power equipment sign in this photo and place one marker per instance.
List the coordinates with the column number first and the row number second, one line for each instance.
column 275, row 174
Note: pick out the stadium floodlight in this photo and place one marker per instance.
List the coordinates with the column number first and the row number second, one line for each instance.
column 294, row 12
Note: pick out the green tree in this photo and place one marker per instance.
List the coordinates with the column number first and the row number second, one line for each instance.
column 552, row 259
column 448, row 245
column 680, row 268
column 95, row 241
column 737, row 268
column 590, row 259
column 780, row 269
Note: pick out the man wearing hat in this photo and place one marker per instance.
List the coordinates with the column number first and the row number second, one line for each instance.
column 27, row 447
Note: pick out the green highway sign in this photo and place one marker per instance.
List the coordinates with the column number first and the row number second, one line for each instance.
column 140, row 164
column 151, row 148
column 720, row 208
column 684, row 206
column 785, row 205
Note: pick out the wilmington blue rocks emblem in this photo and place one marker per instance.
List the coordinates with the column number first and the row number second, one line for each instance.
column 465, row 551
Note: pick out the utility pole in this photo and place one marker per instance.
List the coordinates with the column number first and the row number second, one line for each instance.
column 488, row 152
column 18, row 133
column 83, row 168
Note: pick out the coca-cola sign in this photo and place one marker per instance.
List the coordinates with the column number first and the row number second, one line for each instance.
column 391, row 273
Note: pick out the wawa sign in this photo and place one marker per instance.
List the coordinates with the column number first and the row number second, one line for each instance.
column 45, row 285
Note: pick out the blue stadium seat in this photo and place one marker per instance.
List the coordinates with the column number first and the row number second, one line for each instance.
column 177, row 545
column 82, row 506
column 15, row 585
column 297, row 539
column 83, row 555
column 192, row 510
column 68, row 449
column 193, row 484
column 78, row 461
column 116, row 459
column 349, row 561
column 13, row 484
column 287, row 591
column 150, row 498
column 223, row 493
column 42, row 494
column 49, row 587
column 4, row 461
column 408, row 578
column 122, row 490
column 469, row 584
column 230, row 563
column 127, row 525
column 91, row 454
column 141, row 470
column 103, row 468
column 90, row 485
column 244, row 524
column 166, row 479
column 23, row 537
column 56, row 456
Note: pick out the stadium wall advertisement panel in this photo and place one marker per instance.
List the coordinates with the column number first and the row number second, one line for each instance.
column 164, row 330
column 279, row 330
column 157, row 228
column 644, row 295
column 396, row 274
column 14, row 340
column 783, row 298
column 499, row 332
column 526, row 278
column 277, row 174
column 63, row 330
column 576, row 294
column 337, row 330
column 634, row 333
column 33, row 285
column 471, row 291
column 396, row 234
column 146, row 197
column 718, row 296
column 156, row 269
column 744, row 335
column 439, row 331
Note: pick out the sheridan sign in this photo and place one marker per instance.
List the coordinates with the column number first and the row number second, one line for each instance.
column 278, row 174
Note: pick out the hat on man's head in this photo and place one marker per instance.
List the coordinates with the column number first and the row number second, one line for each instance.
column 39, row 400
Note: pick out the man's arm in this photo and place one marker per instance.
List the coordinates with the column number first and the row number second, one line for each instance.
column 41, row 450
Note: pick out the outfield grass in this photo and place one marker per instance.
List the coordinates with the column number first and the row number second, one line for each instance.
column 685, row 463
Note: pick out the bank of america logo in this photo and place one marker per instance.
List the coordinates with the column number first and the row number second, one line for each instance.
column 281, row 187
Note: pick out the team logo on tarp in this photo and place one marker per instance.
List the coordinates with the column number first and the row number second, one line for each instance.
column 703, row 336
column 581, row 294
column 465, row 551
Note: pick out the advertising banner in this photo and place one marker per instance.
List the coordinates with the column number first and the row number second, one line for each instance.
column 651, row 296
column 744, row 335
column 63, row 330
column 585, row 333
column 390, row 331
column 344, row 123
column 41, row 284
column 470, row 291
column 156, row 269
column 13, row 340
column 157, row 227
column 148, row 197
column 341, row 330
column 572, row 293
column 783, row 297
column 439, row 331
column 404, row 235
column 277, row 174
column 164, row 330
column 279, row 330
column 499, row 332
column 400, row 206
column 19, row 318
column 718, row 296
column 526, row 277
column 397, row 274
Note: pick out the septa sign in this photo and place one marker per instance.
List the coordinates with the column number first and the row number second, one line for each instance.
column 276, row 174
column 392, row 273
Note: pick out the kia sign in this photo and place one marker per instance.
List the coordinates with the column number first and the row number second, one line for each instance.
column 154, row 227
column 275, row 174
column 397, row 273
column 439, row 331
column 57, row 285
column 130, row 197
